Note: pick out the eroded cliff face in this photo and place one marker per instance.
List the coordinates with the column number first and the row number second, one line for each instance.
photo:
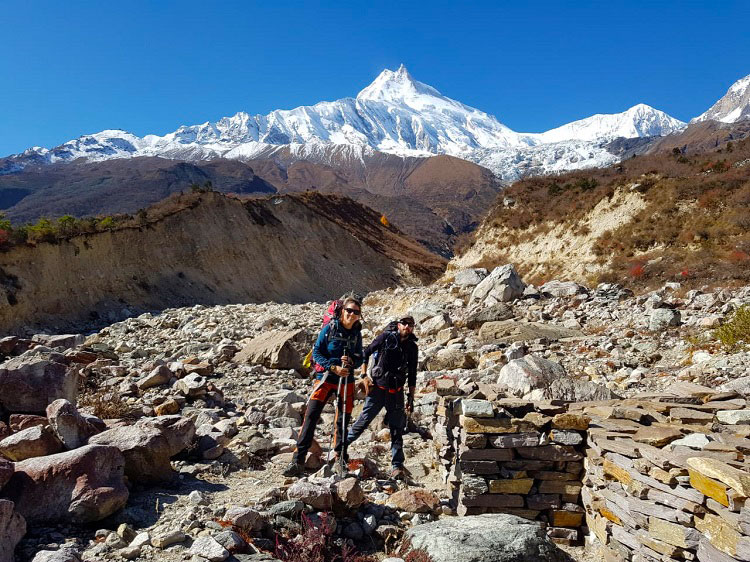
column 218, row 250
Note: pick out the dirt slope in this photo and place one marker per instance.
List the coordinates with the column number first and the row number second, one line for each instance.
column 214, row 250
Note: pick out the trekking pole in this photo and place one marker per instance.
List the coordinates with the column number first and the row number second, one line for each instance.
column 337, row 411
column 342, row 456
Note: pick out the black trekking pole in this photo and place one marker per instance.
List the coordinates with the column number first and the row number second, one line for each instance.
column 342, row 456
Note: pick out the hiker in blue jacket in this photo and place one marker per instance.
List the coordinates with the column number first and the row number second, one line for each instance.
column 395, row 365
column 337, row 354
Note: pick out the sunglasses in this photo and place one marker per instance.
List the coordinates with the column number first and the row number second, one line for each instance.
column 353, row 311
column 410, row 324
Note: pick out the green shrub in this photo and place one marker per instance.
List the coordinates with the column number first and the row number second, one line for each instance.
column 735, row 334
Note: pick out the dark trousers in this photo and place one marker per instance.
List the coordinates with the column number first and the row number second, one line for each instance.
column 320, row 395
column 395, row 417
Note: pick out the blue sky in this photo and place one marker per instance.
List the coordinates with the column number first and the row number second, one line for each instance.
column 70, row 68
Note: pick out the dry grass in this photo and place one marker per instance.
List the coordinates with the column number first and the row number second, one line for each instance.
column 695, row 227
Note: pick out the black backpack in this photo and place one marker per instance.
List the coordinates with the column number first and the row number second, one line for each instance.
column 390, row 362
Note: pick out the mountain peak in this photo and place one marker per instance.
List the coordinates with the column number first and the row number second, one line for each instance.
column 733, row 106
column 396, row 85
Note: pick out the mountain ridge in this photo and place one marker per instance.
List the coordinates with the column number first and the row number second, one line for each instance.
column 395, row 114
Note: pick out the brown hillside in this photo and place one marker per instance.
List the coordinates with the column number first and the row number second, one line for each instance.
column 655, row 218
column 208, row 248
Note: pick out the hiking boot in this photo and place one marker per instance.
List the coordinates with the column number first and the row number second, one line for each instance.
column 294, row 469
column 398, row 473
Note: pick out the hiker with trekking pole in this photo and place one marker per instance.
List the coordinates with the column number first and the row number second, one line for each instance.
column 336, row 355
column 395, row 356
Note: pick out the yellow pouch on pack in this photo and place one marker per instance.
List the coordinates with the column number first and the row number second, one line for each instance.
column 307, row 361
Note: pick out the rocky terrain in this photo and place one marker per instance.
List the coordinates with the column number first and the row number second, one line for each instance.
column 163, row 436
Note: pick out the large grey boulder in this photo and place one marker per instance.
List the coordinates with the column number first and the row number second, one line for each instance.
column 495, row 313
column 12, row 530
column 36, row 441
column 450, row 358
column 29, row 384
column 277, row 349
column 562, row 289
column 509, row 331
column 502, row 285
column 66, row 553
column 662, row 318
column 59, row 340
column 70, row 427
column 83, row 485
column 535, row 378
column 470, row 277
column 424, row 310
column 483, row 538
column 149, row 444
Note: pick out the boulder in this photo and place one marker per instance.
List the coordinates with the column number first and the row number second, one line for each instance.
column 6, row 471
column 434, row 324
column 450, row 358
column 24, row 421
column 502, row 285
column 483, row 538
column 535, row 378
column 277, row 349
column 208, row 548
column 662, row 318
column 349, row 493
column 510, row 331
column 243, row 517
column 414, row 500
column 192, row 385
column 158, row 376
column 70, row 427
column 60, row 340
column 83, row 485
column 424, row 310
column 149, row 444
column 65, row 554
column 316, row 495
column 470, row 277
column 562, row 289
column 532, row 372
column 12, row 530
column 29, row 384
column 35, row 441
column 495, row 313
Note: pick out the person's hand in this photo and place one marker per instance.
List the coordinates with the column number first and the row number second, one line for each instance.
column 340, row 371
column 410, row 401
column 346, row 361
column 367, row 385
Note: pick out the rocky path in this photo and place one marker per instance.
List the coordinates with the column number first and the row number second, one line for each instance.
column 232, row 375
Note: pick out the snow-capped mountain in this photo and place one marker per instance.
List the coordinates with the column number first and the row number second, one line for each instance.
column 394, row 114
column 733, row 106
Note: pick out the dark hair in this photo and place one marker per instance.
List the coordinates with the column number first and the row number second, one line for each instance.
column 351, row 298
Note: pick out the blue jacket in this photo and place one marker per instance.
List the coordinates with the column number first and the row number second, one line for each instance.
column 332, row 344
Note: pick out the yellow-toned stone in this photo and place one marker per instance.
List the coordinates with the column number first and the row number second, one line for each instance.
column 661, row 475
column 721, row 471
column 578, row 422
column 562, row 518
column 709, row 487
column 609, row 515
column 488, row 425
column 598, row 524
column 511, row 486
column 719, row 533
column 656, row 436
column 611, row 469
column 560, row 487
column 659, row 546
column 536, row 419
column 673, row 533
